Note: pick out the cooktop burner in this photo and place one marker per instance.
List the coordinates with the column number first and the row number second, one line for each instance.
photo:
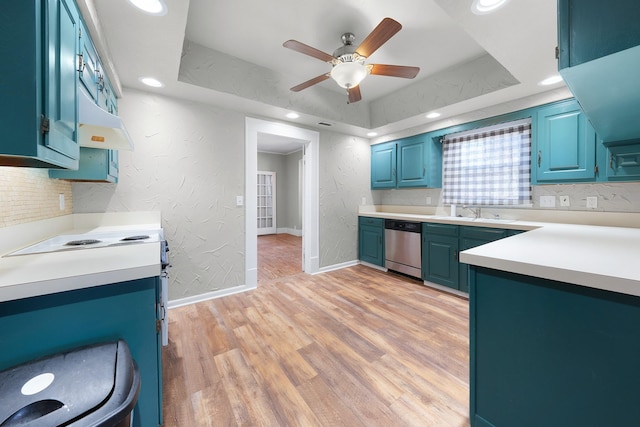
column 132, row 238
column 82, row 242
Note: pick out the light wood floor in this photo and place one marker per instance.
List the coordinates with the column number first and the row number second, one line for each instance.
column 353, row 347
column 279, row 255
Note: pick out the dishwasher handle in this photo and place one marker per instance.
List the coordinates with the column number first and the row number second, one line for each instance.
column 401, row 225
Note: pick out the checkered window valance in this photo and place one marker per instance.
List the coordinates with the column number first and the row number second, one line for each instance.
column 490, row 166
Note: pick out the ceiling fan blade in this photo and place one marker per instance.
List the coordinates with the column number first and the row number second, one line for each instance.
column 311, row 82
column 379, row 36
column 308, row 50
column 354, row 94
column 395, row 70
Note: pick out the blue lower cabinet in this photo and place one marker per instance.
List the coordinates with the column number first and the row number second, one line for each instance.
column 371, row 240
column 547, row 353
column 440, row 254
column 96, row 165
column 32, row 328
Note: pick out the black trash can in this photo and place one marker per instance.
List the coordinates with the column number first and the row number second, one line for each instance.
column 92, row 386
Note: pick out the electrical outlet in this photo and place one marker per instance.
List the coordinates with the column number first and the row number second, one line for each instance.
column 239, row 200
column 564, row 201
column 364, row 201
column 428, row 200
column 592, row 202
column 61, row 201
column 547, row 201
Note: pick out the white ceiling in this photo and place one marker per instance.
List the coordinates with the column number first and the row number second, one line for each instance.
column 436, row 35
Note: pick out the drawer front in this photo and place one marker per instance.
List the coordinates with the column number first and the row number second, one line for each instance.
column 442, row 229
column 484, row 233
column 376, row 222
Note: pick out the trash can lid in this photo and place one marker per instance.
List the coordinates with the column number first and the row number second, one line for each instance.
column 67, row 386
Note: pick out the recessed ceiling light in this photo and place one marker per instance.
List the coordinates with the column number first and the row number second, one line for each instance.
column 293, row 115
column 433, row 115
column 372, row 134
column 150, row 81
column 152, row 7
column 551, row 80
column 482, row 7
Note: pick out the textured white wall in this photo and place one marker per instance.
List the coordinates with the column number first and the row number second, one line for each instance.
column 345, row 173
column 189, row 164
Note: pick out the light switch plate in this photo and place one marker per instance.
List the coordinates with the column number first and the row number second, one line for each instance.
column 547, row 201
column 592, row 202
column 239, row 200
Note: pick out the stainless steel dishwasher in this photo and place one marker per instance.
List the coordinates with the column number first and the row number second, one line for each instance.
column 402, row 247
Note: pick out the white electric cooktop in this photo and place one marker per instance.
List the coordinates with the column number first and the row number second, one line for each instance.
column 91, row 240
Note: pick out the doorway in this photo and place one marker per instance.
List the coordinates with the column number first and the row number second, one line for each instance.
column 254, row 128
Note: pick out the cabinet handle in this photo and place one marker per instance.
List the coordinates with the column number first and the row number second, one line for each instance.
column 539, row 157
column 424, row 169
column 455, row 255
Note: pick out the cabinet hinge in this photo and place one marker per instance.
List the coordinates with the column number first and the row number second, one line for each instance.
column 158, row 326
column 557, row 52
column 44, row 125
column 80, row 62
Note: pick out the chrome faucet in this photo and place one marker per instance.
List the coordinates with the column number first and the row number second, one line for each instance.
column 477, row 211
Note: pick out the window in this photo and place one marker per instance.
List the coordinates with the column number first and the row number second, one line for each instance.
column 488, row 166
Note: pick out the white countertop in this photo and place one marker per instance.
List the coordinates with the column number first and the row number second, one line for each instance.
column 601, row 257
column 40, row 274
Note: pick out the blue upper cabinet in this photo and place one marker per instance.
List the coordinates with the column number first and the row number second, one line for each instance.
column 39, row 76
column 599, row 57
column 412, row 162
column 89, row 72
column 415, row 161
column 383, row 165
column 564, row 145
column 96, row 165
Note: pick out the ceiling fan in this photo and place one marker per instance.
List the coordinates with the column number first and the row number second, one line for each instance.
column 348, row 62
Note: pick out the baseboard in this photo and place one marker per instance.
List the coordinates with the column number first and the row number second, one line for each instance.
column 447, row 289
column 209, row 295
column 293, row 231
column 377, row 267
column 336, row 266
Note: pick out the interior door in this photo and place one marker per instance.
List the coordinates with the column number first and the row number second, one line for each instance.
column 266, row 203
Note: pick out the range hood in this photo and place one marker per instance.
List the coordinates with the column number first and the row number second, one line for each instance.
column 99, row 129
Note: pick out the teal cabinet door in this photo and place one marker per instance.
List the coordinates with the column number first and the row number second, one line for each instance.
column 471, row 237
column 61, row 87
column 622, row 162
column 371, row 240
column 565, row 145
column 383, row 165
column 412, row 162
column 591, row 29
column 89, row 72
column 96, row 164
column 440, row 254
column 39, row 76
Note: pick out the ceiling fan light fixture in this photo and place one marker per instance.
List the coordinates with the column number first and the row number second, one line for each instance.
column 349, row 74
